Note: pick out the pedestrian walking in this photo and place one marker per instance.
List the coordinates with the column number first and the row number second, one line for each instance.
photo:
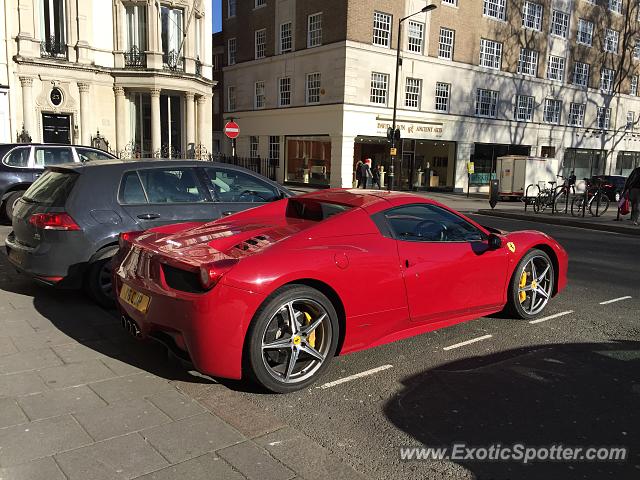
column 358, row 173
column 632, row 188
column 376, row 176
column 366, row 174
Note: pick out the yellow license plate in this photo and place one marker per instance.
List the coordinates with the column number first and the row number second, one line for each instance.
column 137, row 300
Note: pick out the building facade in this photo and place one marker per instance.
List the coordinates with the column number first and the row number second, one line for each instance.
column 311, row 85
column 137, row 73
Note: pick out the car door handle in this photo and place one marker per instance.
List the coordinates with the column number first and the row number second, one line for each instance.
column 148, row 216
column 37, row 175
column 227, row 213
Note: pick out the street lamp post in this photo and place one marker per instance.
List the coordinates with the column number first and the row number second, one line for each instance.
column 394, row 136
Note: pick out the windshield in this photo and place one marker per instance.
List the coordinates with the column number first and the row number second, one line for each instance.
column 52, row 188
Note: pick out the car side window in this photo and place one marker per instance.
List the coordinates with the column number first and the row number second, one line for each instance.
column 87, row 154
column 18, row 157
column 53, row 156
column 131, row 191
column 227, row 185
column 172, row 185
column 430, row 223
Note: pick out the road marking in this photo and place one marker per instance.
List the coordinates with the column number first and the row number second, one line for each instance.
column 354, row 377
column 550, row 317
column 467, row 342
column 607, row 302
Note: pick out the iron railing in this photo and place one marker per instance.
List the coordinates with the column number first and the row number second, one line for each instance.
column 172, row 60
column 53, row 47
column 198, row 67
column 263, row 166
column 134, row 58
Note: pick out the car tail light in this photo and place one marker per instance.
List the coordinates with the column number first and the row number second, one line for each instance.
column 126, row 238
column 53, row 221
column 607, row 185
column 211, row 273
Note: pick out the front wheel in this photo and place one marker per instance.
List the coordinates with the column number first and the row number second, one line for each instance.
column 292, row 339
column 599, row 210
column 576, row 205
column 531, row 285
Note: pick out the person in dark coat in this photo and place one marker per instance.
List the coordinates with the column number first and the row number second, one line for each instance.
column 366, row 174
column 359, row 174
column 376, row 177
column 632, row 187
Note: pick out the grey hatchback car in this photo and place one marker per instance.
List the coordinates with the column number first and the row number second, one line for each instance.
column 66, row 225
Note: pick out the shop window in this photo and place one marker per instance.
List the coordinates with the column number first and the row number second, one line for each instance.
column 548, row 152
column 308, row 160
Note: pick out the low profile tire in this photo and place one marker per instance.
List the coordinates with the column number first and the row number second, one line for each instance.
column 99, row 284
column 531, row 285
column 292, row 339
column 9, row 203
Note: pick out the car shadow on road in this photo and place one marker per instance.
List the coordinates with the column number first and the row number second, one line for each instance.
column 580, row 395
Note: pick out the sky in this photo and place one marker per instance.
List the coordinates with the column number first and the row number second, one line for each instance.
column 217, row 15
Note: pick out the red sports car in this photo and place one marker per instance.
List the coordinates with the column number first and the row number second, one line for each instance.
column 275, row 292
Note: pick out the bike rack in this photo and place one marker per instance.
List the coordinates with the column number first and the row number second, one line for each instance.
column 526, row 194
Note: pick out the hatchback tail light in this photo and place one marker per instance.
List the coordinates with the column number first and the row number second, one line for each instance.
column 211, row 273
column 53, row 221
column 125, row 238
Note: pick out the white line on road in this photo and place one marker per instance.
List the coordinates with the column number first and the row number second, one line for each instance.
column 544, row 319
column 353, row 377
column 462, row 344
column 615, row 300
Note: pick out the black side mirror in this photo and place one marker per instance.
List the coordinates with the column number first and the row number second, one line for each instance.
column 494, row 241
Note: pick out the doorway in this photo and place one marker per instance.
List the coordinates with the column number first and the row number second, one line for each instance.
column 56, row 128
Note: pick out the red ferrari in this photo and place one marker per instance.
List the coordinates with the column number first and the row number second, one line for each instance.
column 275, row 292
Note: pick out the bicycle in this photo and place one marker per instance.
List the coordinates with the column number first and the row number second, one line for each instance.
column 563, row 193
column 545, row 198
column 597, row 200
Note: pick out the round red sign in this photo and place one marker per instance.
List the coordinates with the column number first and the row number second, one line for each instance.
column 232, row 129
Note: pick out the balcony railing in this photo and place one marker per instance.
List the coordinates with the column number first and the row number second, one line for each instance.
column 134, row 58
column 53, row 47
column 173, row 61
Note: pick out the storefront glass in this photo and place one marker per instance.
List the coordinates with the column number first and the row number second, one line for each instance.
column 484, row 159
column 627, row 161
column 308, row 160
column 584, row 163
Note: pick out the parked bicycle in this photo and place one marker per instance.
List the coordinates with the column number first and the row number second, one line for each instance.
column 563, row 193
column 596, row 198
column 556, row 198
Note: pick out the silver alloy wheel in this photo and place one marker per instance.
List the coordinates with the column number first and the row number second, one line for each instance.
column 105, row 279
column 296, row 340
column 534, row 288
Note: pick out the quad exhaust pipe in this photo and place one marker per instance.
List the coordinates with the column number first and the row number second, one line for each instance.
column 130, row 326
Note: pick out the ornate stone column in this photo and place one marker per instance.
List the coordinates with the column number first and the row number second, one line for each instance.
column 202, row 117
column 118, row 92
column 191, row 120
column 85, row 114
column 28, row 113
column 156, row 132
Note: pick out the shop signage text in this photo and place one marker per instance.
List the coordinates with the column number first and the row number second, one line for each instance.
column 412, row 129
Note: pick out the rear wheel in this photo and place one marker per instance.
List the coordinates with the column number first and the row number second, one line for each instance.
column 292, row 339
column 598, row 210
column 562, row 202
column 576, row 205
column 531, row 286
column 9, row 203
column 99, row 283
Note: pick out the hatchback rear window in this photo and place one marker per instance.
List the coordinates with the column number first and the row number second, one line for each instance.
column 307, row 209
column 52, row 188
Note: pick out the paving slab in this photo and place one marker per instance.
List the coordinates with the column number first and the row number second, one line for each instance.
column 14, row 328
column 131, row 386
column 121, row 418
column 23, row 361
column 59, row 402
column 192, row 437
column 118, row 458
column 7, row 347
column 11, row 413
column 75, row 374
column 41, row 469
column 18, row 384
column 176, row 405
column 77, row 352
column 43, row 438
column 255, row 463
column 120, row 367
column 41, row 339
column 206, row 467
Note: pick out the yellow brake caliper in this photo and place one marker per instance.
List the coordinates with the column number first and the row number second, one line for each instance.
column 312, row 336
column 523, row 283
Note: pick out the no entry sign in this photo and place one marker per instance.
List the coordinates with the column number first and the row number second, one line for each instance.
column 232, row 129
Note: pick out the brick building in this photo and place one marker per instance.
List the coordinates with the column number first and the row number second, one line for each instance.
column 311, row 84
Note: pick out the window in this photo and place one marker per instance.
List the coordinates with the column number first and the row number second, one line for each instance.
column 285, row 37
column 131, row 191
column 253, row 146
column 261, row 40
column 445, row 48
column 170, row 185
column 532, row 16
column 260, row 3
column 555, row 68
column 528, row 62
column 490, row 54
column 559, row 24
column 634, row 86
column 413, row 88
column 429, row 223
column 314, row 30
column 52, row 156
column 382, row 29
column 585, row 32
column 88, row 155
column 611, row 38
column 486, row 103
column 313, row 88
column 495, row 9
column 524, row 108
column 615, row 6
column 284, row 92
column 231, row 99
column 53, row 30
column 259, row 95
column 453, row 3
column 552, row 109
column 631, row 120
column 581, row 74
column 603, row 118
column 172, row 37
column 274, row 149
column 576, row 114
column 415, row 36
column 231, row 8
column 606, row 80
column 18, row 157
column 442, row 96
column 379, row 85
column 231, row 51
column 136, row 27
column 231, row 186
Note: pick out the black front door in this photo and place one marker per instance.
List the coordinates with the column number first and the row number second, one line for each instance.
column 56, row 128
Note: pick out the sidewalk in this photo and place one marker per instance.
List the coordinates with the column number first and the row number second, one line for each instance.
column 79, row 399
